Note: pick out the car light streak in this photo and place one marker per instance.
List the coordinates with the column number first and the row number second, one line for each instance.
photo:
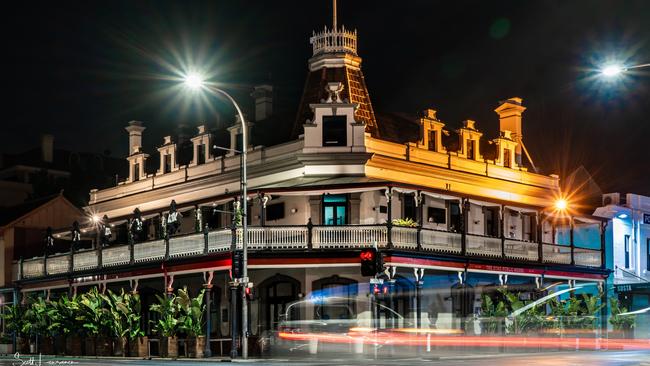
column 393, row 338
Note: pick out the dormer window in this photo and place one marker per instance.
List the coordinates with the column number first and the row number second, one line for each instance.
column 433, row 141
column 136, row 172
column 470, row 149
column 507, row 158
column 201, row 154
column 334, row 131
column 167, row 164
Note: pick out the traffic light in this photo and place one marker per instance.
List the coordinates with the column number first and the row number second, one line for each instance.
column 250, row 292
column 372, row 262
column 237, row 264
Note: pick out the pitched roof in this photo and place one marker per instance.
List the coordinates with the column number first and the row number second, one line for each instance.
column 9, row 215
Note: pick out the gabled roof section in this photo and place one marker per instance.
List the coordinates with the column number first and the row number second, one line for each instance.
column 11, row 215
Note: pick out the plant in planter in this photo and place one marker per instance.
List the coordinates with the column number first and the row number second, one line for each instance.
column 191, row 321
column 36, row 323
column 14, row 322
column 68, row 311
column 167, row 326
column 117, row 313
column 618, row 320
column 94, row 319
column 407, row 222
column 137, row 340
column 530, row 320
column 492, row 314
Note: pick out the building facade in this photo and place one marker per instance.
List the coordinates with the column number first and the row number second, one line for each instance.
column 453, row 221
column 628, row 246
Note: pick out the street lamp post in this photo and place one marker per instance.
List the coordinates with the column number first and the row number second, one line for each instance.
column 195, row 81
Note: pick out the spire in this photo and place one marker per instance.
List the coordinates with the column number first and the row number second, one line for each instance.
column 334, row 15
column 335, row 60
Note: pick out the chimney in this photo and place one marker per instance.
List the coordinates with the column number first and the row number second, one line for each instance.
column 509, row 112
column 135, row 129
column 263, row 95
column 47, row 148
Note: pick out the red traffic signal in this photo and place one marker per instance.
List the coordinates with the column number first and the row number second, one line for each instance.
column 371, row 262
column 250, row 293
column 367, row 255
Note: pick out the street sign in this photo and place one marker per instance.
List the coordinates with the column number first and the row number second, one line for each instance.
column 646, row 218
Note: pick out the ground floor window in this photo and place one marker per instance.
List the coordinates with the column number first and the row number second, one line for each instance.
column 339, row 287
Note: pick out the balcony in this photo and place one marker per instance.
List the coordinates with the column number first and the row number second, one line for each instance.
column 309, row 237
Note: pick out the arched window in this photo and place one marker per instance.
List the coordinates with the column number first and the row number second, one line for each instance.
column 275, row 294
column 345, row 288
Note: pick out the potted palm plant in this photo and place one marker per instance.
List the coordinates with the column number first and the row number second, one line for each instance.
column 623, row 323
column 137, row 340
column 167, row 325
column 14, row 322
column 68, row 312
column 93, row 315
column 191, row 321
column 36, row 323
column 117, row 313
column 492, row 315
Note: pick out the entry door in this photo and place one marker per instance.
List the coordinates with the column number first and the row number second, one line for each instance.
column 279, row 292
column 462, row 300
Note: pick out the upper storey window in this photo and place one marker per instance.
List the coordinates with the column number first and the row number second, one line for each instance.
column 334, row 131
column 335, row 207
column 471, row 149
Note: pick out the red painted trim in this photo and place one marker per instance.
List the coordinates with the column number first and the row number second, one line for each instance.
column 263, row 261
column 490, row 267
column 422, row 261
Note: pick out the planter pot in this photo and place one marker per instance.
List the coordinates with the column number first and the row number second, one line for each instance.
column 119, row 347
column 23, row 344
column 138, row 347
column 73, row 345
column 169, row 347
column 89, row 346
column 46, row 345
column 6, row 349
column 59, row 345
column 104, row 346
column 196, row 347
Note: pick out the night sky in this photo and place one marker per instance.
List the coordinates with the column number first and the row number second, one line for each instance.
column 81, row 71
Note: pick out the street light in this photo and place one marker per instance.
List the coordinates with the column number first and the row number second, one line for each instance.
column 561, row 204
column 195, row 81
column 614, row 70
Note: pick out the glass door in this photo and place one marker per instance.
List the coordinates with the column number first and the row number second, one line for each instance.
column 335, row 209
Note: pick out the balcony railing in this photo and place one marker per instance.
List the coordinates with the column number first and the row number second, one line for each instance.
column 308, row 237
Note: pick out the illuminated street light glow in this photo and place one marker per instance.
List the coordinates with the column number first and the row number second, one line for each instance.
column 194, row 81
column 95, row 219
column 561, row 204
column 612, row 70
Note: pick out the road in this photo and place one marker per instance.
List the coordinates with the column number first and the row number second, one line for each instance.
column 590, row 358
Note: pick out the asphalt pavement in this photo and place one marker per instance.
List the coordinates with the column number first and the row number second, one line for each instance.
column 587, row 358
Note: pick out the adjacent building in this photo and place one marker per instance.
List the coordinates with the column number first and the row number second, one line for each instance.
column 628, row 246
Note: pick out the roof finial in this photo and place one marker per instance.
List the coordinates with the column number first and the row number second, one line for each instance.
column 334, row 15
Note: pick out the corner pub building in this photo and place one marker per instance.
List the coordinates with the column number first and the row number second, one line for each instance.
column 339, row 182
